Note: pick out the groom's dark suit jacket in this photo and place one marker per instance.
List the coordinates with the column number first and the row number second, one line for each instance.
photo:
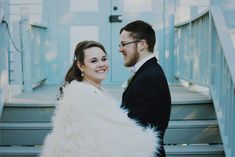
column 147, row 97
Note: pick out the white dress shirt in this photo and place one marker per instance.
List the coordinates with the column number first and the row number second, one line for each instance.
column 141, row 62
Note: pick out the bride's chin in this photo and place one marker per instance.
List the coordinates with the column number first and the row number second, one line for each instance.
column 102, row 78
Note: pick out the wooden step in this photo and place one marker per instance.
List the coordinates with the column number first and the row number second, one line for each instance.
column 27, row 112
column 23, row 133
column 192, row 132
column 178, row 132
column 40, row 104
column 193, row 111
column 195, row 151
column 19, row 151
column 171, row 151
column 17, row 112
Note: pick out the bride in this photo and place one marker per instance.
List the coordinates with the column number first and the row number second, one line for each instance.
column 88, row 122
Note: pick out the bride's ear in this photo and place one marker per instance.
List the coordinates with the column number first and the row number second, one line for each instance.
column 80, row 66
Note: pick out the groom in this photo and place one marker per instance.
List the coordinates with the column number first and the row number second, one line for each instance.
column 147, row 97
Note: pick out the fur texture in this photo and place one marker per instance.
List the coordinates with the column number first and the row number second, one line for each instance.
column 88, row 123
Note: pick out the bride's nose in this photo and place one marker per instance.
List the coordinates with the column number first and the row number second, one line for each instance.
column 101, row 63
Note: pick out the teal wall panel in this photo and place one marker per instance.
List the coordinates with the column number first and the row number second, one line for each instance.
column 15, row 59
column 60, row 19
column 50, row 17
column 60, row 16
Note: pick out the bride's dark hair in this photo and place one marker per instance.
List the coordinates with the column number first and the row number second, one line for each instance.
column 74, row 73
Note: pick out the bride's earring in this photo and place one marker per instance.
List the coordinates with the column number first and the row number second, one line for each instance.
column 82, row 74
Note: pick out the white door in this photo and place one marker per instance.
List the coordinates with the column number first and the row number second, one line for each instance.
column 128, row 11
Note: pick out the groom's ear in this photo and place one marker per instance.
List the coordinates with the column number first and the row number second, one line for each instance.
column 142, row 45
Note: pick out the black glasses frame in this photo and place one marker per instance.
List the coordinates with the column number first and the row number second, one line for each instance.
column 121, row 45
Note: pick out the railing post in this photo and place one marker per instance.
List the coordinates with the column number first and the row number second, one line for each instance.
column 191, row 52
column 17, row 65
column 233, row 127
column 26, row 51
column 162, row 57
column 171, row 69
column 210, row 48
column 4, row 45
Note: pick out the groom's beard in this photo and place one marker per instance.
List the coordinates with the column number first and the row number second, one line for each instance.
column 132, row 59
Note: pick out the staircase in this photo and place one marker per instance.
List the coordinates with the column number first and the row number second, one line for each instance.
column 192, row 132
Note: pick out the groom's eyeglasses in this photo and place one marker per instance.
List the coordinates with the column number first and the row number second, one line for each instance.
column 121, row 45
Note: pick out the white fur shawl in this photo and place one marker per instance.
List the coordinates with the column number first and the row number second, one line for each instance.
column 87, row 123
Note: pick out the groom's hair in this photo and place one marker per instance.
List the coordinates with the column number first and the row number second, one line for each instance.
column 141, row 30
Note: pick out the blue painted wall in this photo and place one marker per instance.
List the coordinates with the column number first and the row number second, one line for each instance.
column 59, row 19
column 50, row 16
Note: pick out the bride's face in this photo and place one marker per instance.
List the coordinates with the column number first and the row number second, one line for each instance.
column 95, row 65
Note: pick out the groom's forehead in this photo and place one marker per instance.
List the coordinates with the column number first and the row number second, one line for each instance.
column 125, row 35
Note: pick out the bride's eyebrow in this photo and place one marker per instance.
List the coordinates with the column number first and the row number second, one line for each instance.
column 93, row 58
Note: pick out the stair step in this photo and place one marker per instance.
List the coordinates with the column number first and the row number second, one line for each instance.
column 193, row 111
column 23, row 133
column 171, row 151
column 40, row 104
column 19, row 151
column 20, row 126
column 193, row 124
column 178, row 132
column 13, row 113
column 17, row 112
column 192, row 132
column 195, row 151
column 25, row 124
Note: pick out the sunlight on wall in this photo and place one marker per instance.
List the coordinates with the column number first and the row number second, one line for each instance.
column 4, row 85
column 81, row 5
column 229, row 4
column 51, row 53
column 67, row 18
column 228, row 8
column 3, row 79
column 187, row 8
column 79, row 33
column 194, row 2
column 34, row 9
column 138, row 5
column 182, row 14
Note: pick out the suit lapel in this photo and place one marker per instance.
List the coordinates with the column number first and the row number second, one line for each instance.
column 138, row 72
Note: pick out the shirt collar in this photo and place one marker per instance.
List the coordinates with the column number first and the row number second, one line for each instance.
column 141, row 62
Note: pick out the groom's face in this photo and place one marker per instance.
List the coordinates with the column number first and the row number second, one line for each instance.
column 128, row 48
